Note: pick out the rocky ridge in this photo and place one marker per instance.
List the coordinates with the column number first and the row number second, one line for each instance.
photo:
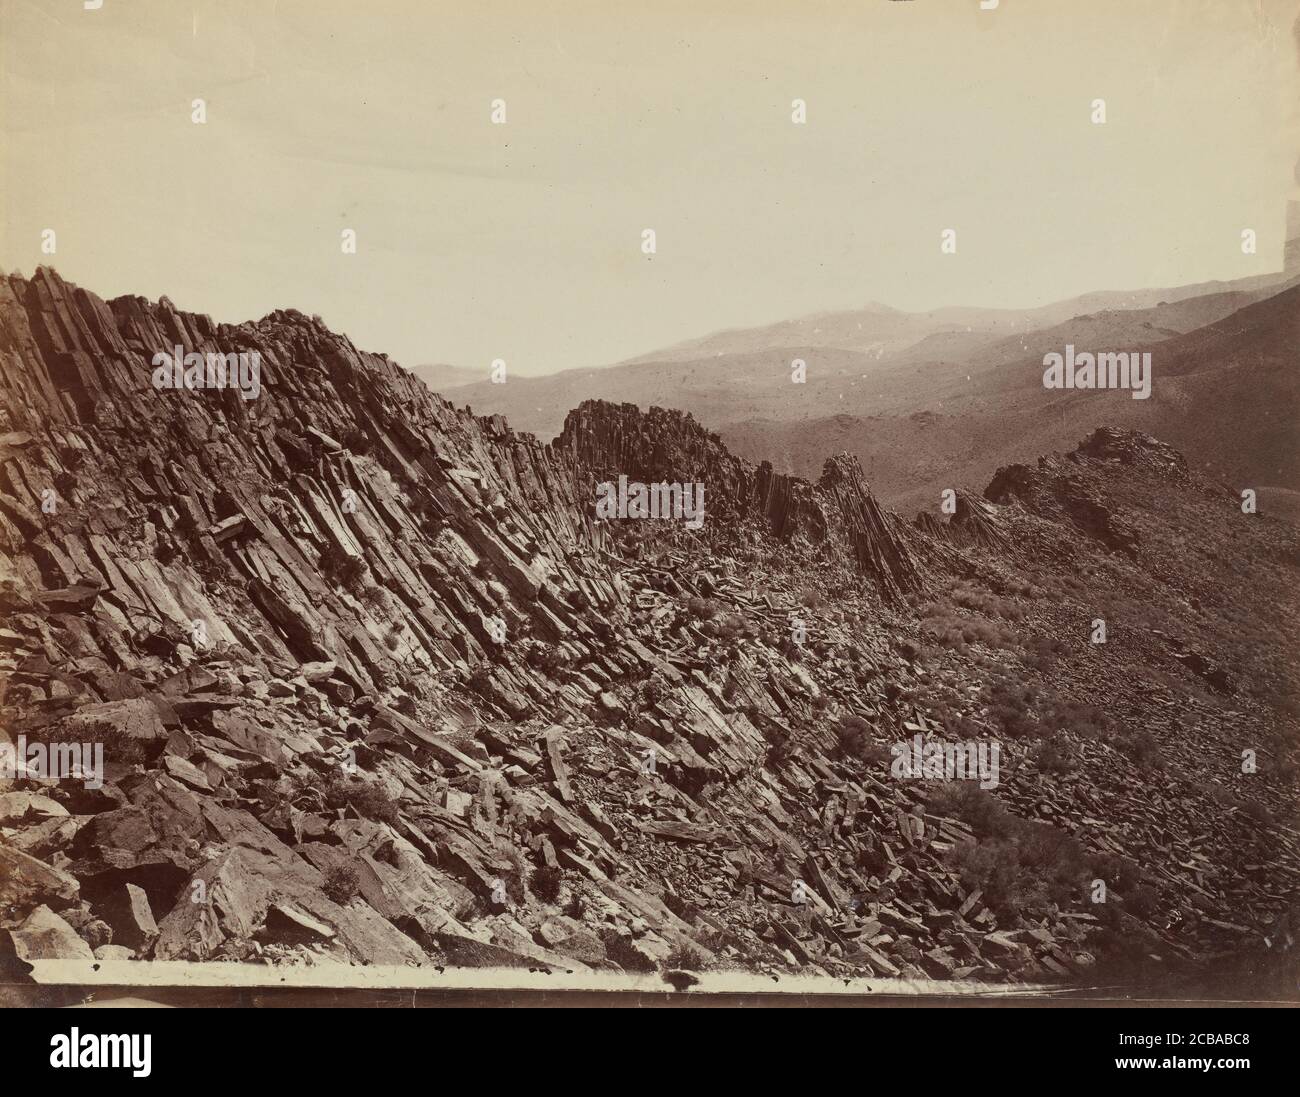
column 436, row 713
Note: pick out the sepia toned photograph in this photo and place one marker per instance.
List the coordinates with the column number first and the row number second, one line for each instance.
column 688, row 504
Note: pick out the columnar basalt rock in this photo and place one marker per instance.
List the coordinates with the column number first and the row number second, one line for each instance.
column 669, row 446
column 375, row 685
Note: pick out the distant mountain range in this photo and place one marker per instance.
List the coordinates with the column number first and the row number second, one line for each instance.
column 926, row 400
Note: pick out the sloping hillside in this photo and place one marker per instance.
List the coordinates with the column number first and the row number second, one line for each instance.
column 374, row 685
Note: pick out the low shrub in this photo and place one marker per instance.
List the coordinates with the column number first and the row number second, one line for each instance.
column 1142, row 902
column 341, row 567
column 702, row 609
column 976, row 807
column 1010, row 703
column 342, row 882
column 856, row 740
column 684, row 958
column 1051, row 758
column 1030, row 867
column 1142, row 747
column 1042, row 652
column 1119, row 872
column 545, row 883
column 366, row 798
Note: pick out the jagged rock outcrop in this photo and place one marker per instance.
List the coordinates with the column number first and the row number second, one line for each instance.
column 1059, row 487
column 609, row 440
column 1132, row 447
column 878, row 538
column 974, row 522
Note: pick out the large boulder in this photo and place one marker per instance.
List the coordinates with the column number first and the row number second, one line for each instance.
column 26, row 882
column 129, row 914
column 43, row 935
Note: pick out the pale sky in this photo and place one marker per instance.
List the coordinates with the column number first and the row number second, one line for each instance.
column 523, row 241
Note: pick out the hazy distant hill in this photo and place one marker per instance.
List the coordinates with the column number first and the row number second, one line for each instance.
column 1225, row 393
column 876, row 327
column 439, row 376
column 874, row 361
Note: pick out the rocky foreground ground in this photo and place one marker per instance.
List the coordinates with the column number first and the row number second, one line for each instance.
column 376, row 687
